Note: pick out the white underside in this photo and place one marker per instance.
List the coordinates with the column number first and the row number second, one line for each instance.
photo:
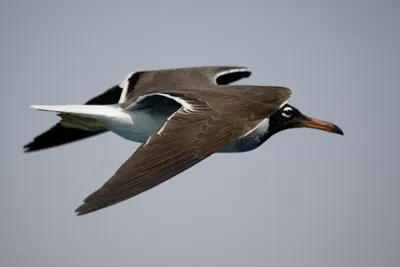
column 135, row 125
column 138, row 125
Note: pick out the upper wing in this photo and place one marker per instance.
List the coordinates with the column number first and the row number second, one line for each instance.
column 58, row 135
column 189, row 136
column 139, row 83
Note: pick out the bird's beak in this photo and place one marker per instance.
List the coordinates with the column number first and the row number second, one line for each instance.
column 319, row 124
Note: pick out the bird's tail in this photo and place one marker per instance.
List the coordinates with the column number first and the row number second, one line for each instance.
column 84, row 117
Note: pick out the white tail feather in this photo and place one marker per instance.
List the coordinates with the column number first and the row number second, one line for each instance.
column 88, row 111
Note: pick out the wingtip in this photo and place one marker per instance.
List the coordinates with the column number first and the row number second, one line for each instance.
column 82, row 210
column 28, row 147
column 78, row 212
column 32, row 147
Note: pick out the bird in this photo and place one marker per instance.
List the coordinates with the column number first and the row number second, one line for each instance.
column 181, row 117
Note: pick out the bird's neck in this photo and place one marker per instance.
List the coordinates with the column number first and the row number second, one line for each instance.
column 254, row 139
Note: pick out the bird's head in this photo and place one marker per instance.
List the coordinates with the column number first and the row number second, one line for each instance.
column 288, row 117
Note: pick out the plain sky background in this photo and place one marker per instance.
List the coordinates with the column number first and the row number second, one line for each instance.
column 305, row 198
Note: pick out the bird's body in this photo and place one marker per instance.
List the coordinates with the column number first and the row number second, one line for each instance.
column 139, row 125
column 181, row 117
column 133, row 125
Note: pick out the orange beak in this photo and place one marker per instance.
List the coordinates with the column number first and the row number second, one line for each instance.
column 319, row 124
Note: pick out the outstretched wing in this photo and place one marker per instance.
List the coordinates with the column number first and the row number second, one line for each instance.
column 59, row 135
column 139, row 82
column 198, row 129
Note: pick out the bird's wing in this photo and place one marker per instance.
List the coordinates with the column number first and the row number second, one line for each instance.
column 200, row 77
column 198, row 129
column 59, row 135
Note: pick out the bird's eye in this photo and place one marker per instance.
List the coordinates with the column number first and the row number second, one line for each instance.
column 287, row 112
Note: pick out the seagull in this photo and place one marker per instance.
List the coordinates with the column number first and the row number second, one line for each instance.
column 180, row 116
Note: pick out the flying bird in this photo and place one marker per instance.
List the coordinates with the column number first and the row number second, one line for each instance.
column 180, row 116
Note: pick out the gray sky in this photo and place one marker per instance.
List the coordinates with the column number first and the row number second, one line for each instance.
column 304, row 198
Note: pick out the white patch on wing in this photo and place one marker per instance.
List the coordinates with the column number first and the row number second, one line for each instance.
column 230, row 71
column 187, row 106
column 142, row 97
column 124, row 85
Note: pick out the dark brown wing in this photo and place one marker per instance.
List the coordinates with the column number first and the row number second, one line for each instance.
column 58, row 135
column 188, row 137
column 140, row 82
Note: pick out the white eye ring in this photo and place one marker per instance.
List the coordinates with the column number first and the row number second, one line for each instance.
column 287, row 112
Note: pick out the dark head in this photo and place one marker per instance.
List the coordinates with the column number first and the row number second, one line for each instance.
column 288, row 117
